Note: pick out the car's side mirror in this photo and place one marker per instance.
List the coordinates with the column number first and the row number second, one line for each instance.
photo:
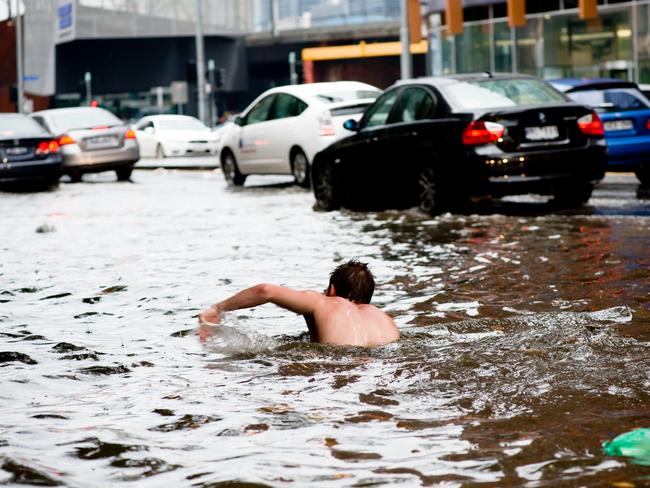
column 149, row 130
column 352, row 125
column 238, row 120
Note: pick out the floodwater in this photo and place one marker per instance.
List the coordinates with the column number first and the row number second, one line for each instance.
column 525, row 341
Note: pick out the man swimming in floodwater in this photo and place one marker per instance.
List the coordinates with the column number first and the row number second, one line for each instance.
column 341, row 316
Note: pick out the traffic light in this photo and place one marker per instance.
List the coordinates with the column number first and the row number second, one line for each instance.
column 221, row 77
column 454, row 17
column 588, row 9
column 516, row 13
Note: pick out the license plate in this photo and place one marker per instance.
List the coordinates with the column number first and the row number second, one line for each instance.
column 613, row 125
column 546, row 133
column 16, row 151
column 101, row 142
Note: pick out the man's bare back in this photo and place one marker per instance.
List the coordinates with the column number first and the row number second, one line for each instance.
column 331, row 318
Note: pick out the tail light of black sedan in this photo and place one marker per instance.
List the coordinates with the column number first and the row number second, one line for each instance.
column 481, row 132
column 591, row 125
column 47, row 147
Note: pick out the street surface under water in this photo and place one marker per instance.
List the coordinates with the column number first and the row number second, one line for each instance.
column 525, row 340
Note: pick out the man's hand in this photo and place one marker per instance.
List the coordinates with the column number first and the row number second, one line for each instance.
column 205, row 331
column 210, row 315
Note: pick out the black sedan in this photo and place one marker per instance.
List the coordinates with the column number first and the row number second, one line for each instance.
column 27, row 151
column 440, row 142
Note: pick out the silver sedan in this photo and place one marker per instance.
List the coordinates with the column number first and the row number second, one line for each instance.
column 92, row 140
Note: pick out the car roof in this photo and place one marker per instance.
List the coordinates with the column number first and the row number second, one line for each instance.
column 313, row 89
column 578, row 84
column 66, row 110
column 438, row 81
column 157, row 117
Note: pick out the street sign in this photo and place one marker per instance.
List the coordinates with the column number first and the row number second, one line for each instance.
column 179, row 92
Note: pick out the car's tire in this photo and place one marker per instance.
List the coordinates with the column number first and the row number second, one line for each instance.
column 230, row 169
column 430, row 198
column 51, row 184
column 160, row 152
column 75, row 176
column 124, row 173
column 573, row 196
column 325, row 187
column 643, row 174
column 300, row 168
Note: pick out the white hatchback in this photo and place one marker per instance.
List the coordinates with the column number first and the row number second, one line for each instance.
column 162, row 136
column 284, row 128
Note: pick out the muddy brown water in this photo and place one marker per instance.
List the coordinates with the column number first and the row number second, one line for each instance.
column 525, row 342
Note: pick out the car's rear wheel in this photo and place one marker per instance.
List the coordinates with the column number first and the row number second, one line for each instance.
column 325, row 190
column 643, row 174
column 300, row 168
column 230, row 170
column 430, row 197
column 573, row 196
column 75, row 176
column 124, row 173
column 160, row 152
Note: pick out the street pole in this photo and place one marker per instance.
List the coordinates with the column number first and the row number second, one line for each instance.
column 20, row 99
column 293, row 75
column 200, row 61
column 405, row 58
column 89, row 92
column 213, row 86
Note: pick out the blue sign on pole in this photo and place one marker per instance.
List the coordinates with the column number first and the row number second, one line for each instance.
column 64, row 13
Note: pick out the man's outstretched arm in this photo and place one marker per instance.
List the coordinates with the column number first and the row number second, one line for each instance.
column 300, row 302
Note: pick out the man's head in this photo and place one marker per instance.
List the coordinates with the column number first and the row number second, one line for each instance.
column 352, row 280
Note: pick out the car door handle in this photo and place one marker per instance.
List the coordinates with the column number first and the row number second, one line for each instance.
column 414, row 134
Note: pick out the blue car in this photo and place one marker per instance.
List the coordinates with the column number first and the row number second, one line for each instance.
column 625, row 112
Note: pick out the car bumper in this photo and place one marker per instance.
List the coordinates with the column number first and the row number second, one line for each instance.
column 90, row 161
column 190, row 149
column 540, row 172
column 44, row 170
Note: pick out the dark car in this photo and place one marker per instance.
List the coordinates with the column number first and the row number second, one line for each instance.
column 27, row 151
column 438, row 142
column 625, row 112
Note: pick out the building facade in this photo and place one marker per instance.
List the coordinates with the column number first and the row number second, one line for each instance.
column 133, row 50
column 553, row 43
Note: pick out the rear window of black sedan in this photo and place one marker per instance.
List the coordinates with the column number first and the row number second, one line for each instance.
column 12, row 124
column 498, row 93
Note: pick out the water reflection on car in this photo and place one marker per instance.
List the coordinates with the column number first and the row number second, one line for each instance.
column 625, row 112
column 440, row 142
column 28, row 153
column 92, row 140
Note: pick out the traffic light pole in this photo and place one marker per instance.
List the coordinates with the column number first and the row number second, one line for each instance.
column 405, row 58
column 200, row 62
column 20, row 101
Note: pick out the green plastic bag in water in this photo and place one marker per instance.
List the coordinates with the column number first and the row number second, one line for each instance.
column 634, row 444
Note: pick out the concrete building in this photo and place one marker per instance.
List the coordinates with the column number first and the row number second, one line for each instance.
column 127, row 53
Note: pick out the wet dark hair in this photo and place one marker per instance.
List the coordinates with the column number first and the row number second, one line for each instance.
column 354, row 281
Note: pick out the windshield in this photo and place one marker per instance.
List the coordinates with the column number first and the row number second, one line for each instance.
column 347, row 95
column 612, row 100
column 486, row 94
column 83, row 119
column 181, row 124
column 17, row 124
